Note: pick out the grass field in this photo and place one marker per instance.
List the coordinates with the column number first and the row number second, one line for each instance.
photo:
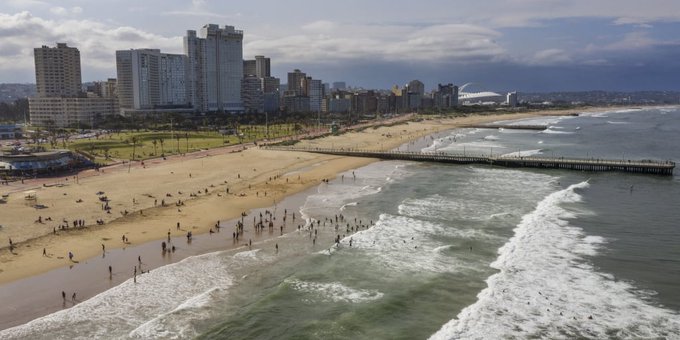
column 121, row 146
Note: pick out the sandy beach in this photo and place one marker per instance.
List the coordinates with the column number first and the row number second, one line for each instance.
column 148, row 201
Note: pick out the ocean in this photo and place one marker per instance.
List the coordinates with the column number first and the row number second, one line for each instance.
column 437, row 251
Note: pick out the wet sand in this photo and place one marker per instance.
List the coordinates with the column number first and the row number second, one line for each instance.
column 25, row 299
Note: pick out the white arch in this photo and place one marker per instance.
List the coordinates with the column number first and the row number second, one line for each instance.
column 460, row 89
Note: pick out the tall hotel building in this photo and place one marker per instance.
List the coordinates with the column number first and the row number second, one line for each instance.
column 151, row 80
column 57, row 71
column 60, row 100
column 215, row 71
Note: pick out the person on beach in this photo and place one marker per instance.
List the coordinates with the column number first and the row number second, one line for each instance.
column 63, row 295
column 44, row 252
column 110, row 272
column 70, row 256
column 277, row 248
column 103, row 248
column 73, row 297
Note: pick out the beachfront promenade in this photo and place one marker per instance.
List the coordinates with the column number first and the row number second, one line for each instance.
column 632, row 166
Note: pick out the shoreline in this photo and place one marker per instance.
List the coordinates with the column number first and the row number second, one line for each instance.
column 200, row 214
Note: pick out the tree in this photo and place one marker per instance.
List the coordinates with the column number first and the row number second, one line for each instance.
column 134, row 146
column 154, row 142
column 161, row 140
column 186, row 136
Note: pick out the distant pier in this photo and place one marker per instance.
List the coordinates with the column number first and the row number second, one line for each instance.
column 663, row 168
column 511, row 127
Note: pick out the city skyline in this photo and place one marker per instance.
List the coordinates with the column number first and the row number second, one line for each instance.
column 525, row 45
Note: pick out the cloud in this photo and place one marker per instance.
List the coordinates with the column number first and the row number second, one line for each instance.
column 58, row 10
column 196, row 13
column 551, row 56
column 61, row 11
column 97, row 42
column 25, row 3
column 321, row 41
column 320, row 26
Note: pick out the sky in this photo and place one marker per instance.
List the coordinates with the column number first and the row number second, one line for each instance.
column 500, row 45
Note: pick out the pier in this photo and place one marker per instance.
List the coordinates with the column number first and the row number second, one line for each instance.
column 663, row 168
column 510, row 127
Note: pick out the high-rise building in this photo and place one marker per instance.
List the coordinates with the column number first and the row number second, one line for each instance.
column 270, row 84
column 215, row 68
column 511, row 99
column 297, row 82
column 446, row 96
column 259, row 67
column 415, row 89
column 57, row 71
column 251, row 94
column 138, row 79
column 416, row 86
column 249, row 68
column 60, row 101
column 262, row 66
column 315, row 94
column 149, row 79
column 173, row 80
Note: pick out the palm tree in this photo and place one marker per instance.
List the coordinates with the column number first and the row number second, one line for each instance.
column 161, row 140
column 134, row 147
column 154, row 142
column 186, row 136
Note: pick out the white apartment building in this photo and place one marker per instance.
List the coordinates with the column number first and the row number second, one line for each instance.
column 215, row 68
column 149, row 79
column 57, row 71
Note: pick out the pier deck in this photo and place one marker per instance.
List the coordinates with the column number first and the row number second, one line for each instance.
column 506, row 126
column 664, row 168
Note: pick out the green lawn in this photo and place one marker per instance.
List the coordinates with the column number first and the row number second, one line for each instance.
column 120, row 145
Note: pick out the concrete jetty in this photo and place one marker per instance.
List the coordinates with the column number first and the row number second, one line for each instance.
column 510, row 127
column 664, row 168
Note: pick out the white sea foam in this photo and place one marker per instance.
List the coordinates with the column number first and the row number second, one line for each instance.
column 616, row 122
column 439, row 207
column 547, row 120
column 491, row 137
column 603, row 114
column 545, row 288
column 333, row 292
column 350, row 204
column 337, row 196
column 400, row 244
column 554, row 132
column 164, row 303
column 523, row 153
